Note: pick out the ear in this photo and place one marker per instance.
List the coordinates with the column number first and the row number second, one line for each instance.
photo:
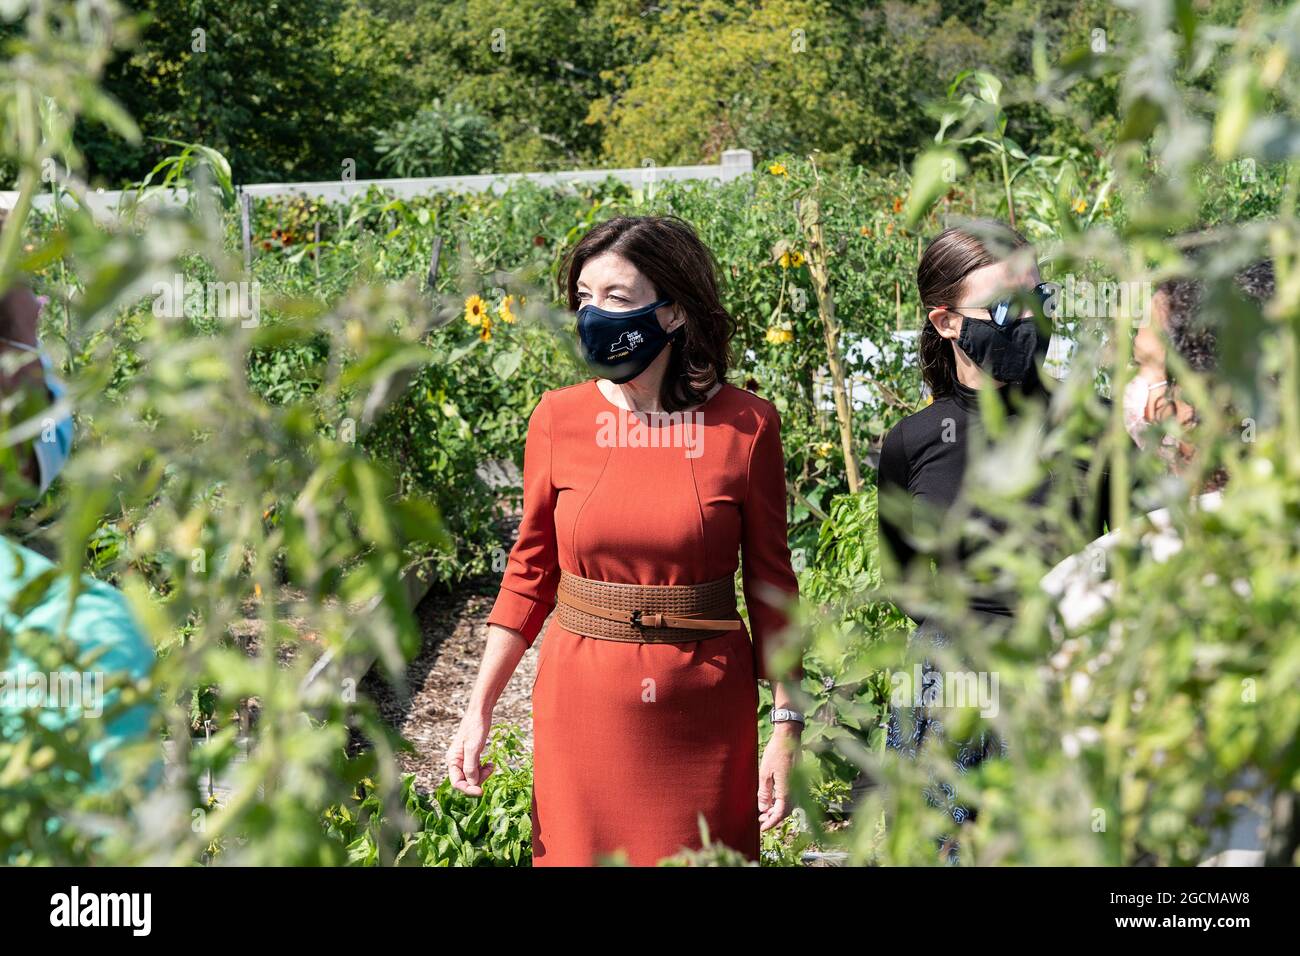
column 677, row 319
column 946, row 323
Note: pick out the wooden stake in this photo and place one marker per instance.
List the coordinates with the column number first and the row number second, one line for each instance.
column 246, row 225
column 433, row 264
column 809, row 213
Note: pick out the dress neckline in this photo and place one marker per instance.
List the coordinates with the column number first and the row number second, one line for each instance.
column 652, row 416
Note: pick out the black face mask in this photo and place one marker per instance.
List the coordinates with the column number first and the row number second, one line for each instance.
column 1008, row 352
column 620, row 346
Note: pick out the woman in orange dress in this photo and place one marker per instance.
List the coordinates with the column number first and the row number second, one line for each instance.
column 656, row 473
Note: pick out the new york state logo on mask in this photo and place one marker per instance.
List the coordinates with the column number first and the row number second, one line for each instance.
column 628, row 340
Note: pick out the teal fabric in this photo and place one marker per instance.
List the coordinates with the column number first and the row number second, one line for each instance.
column 101, row 626
column 52, row 449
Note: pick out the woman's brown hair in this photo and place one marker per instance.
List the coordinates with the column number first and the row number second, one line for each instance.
column 940, row 279
column 667, row 251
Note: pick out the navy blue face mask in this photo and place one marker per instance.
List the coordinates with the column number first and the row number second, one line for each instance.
column 620, row 346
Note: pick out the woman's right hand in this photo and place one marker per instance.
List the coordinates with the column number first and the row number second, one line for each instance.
column 467, row 774
column 500, row 658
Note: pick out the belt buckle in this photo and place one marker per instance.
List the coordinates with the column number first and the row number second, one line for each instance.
column 638, row 619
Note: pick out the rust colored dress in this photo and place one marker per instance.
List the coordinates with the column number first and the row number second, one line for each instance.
column 635, row 742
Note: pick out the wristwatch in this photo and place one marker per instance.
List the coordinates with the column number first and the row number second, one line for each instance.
column 782, row 714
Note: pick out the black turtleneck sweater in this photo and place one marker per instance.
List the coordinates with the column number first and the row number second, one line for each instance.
column 923, row 459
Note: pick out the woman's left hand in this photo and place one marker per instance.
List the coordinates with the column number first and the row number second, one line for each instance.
column 779, row 755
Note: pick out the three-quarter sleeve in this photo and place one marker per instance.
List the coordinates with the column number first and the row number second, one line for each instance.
column 532, row 572
column 769, row 580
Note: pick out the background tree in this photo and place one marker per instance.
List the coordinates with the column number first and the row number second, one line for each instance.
column 267, row 83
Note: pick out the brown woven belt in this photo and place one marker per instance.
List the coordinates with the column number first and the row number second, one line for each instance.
column 647, row 614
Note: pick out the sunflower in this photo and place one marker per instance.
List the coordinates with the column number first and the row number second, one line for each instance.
column 506, row 310
column 777, row 169
column 778, row 335
column 796, row 259
column 476, row 311
column 485, row 329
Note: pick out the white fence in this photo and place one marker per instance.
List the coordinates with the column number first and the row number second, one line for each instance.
column 734, row 164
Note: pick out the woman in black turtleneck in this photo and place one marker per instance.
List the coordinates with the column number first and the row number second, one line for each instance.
column 979, row 284
column 986, row 327
column 922, row 466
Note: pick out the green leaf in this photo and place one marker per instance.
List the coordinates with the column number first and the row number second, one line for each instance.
column 505, row 364
column 934, row 173
column 1240, row 97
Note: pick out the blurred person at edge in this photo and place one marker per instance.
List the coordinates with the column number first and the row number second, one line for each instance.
column 1149, row 385
column 1079, row 584
column 107, row 638
column 987, row 326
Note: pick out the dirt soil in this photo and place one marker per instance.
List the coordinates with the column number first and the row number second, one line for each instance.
column 454, row 628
